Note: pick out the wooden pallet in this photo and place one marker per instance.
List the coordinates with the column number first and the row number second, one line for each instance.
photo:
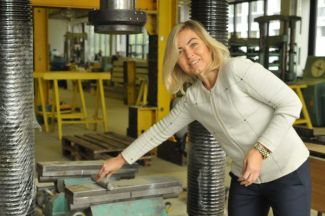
column 97, row 146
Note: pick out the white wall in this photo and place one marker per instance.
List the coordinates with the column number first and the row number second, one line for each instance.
column 56, row 31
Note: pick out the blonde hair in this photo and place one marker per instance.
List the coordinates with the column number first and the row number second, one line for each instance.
column 173, row 76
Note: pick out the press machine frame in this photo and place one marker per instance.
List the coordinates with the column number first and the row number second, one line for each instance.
column 161, row 17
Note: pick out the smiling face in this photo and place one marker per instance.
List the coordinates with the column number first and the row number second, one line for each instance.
column 194, row 56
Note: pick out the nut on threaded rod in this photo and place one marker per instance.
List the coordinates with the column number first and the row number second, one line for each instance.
column 117, row 17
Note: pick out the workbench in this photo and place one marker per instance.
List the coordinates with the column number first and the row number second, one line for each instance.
column 81, row 117
column 316, row 149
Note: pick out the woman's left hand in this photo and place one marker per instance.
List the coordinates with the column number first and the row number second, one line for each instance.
column 251, row 167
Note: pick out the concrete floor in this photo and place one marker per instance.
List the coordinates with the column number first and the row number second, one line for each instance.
column 48, row 148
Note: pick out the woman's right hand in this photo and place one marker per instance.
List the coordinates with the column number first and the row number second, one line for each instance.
column 110, row 166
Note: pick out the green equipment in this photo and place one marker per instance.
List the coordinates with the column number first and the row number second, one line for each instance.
column 143, row 207
column 314, row 94
column 78, row 194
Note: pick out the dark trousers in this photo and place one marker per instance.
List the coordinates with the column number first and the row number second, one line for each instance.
column 289, row 195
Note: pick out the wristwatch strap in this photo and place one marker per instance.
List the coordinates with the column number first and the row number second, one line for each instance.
column 261, row 149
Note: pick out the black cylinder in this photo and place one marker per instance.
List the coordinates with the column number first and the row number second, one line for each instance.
column 206, row 190
column 206, row 163
column 16, row 108
column 213, row 14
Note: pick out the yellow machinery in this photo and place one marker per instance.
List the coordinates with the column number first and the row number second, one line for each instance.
column 161, row 16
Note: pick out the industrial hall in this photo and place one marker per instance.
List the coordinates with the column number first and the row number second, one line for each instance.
column 162, row 108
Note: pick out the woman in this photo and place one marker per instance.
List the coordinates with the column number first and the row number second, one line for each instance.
column 249, row 111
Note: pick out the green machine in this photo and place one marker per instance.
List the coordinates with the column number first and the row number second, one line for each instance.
column 58, row 205
column 142, row 207
column 143, row 196
column 76, row 193
column 314, row 94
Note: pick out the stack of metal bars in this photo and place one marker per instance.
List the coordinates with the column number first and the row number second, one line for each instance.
column 16, row 108
column 85, row 195
column 53, row 170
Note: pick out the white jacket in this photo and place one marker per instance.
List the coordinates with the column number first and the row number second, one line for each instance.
column 248, row 104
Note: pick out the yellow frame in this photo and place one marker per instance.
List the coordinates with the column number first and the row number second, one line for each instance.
column 162, row 16
column 81, row 4
column 306, row 118
column 83, row 116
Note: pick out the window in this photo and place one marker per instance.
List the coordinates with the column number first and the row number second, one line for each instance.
column 138, row 45
column 238, row 20
column 231, row 22
column 254, row 34
column 274, row 28
column 238, row 8
column 320, row 34
column 273, row 7
column 254, row 6
column 243, row 16
column 321, row 11
column 231, row 14
column 95, row 43
column 231, row 11
column 322, row 31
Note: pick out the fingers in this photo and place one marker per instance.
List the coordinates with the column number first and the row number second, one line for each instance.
column 252, row 165
column 103, row 172
column 110, row 166
column 249, row 175
column 248, row 179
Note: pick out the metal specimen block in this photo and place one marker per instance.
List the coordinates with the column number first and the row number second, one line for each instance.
column 83, row 196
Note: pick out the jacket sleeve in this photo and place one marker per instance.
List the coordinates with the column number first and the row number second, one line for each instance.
column 265, row 87
column 178, row 118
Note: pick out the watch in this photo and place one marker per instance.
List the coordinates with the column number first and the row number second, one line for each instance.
column 261, row 149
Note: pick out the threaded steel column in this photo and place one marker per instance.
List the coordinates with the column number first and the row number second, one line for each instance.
column 213, row 14
column 206, row 163
column 206, row 190
column 16, row 108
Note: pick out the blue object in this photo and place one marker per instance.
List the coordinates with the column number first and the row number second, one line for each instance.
column 57, row 206
column 142, row 207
